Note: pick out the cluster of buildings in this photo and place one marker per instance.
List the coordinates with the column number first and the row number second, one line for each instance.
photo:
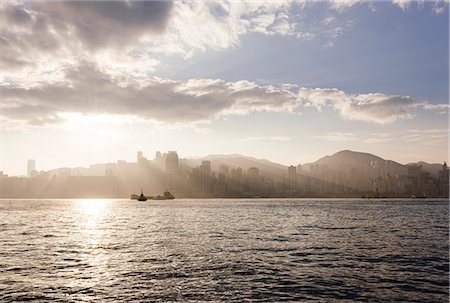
column 180, row 177
column 373, row 179
column 210, row 178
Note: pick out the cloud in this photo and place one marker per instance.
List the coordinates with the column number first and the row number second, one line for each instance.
column 427, row 136
column 374, row 107
column 55, row 60
column 439, row 108
column 429, row 131
column 371, row 138
column 117, row 23
column 133, row 36
column 266, row 139
column 338, row 136
column 29, row 31
column 341, row 5
column 422, row 136
column 38, row 39
column 432, row 106
column 403, row 4
column 438, row 6
column 86, row 89
column 198, row 26
column 376, row 138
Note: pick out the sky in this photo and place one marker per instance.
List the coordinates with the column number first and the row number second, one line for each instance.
column 289, row 81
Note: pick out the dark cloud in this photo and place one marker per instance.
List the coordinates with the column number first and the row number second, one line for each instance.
column 32, row 114
column 16, row 14
column 32, row 30
column 102, row 23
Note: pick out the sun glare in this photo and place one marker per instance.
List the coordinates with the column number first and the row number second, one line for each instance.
column 98, row 124
column 93, row 207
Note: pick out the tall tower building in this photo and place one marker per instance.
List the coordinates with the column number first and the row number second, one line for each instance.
column 158, row 156
column 172, row 168
column 443, row 181
column 172, row 163
column 205, row 175
column 253, row 179
column 236, row 180
column 31, row 167
column 159, row 161
column 292, row 178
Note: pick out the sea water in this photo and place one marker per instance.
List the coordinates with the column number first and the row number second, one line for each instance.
column 262, row 250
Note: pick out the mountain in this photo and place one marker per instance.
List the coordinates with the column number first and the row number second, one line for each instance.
column 266, row 167
column 341, row 160
column 432, row 168
column 347, row 158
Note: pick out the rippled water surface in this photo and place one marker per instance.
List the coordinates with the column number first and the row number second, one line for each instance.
column 224, row 250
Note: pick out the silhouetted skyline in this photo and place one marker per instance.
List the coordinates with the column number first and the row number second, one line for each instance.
column 343, row 174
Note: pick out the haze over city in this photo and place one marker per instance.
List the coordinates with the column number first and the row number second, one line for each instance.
column 285, row 81
column 346, row 174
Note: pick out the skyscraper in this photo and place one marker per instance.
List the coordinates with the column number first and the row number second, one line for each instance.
column 159, row 160
column 172, row 163
column 253, row 179
column 31, row 167
column 205, row 175
column 158, row 156
column 172, row 170
column 292, row 178
column 236, row 180
column 443, row 181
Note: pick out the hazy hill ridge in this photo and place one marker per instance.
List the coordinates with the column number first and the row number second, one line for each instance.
column 337, row 161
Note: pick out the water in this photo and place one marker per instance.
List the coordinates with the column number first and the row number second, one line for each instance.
column 224, row 250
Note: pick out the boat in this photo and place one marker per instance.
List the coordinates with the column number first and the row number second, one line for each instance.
column 140, row 197
column 166, row 196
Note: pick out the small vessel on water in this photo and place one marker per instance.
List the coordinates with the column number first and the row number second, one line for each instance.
column 141, row 196
column 166, row 196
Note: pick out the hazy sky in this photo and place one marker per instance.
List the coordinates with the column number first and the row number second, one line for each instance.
column 89, row 82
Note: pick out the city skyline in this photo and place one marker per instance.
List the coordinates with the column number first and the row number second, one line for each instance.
column 31, row 166
column 343, row 174
column 285, row 81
